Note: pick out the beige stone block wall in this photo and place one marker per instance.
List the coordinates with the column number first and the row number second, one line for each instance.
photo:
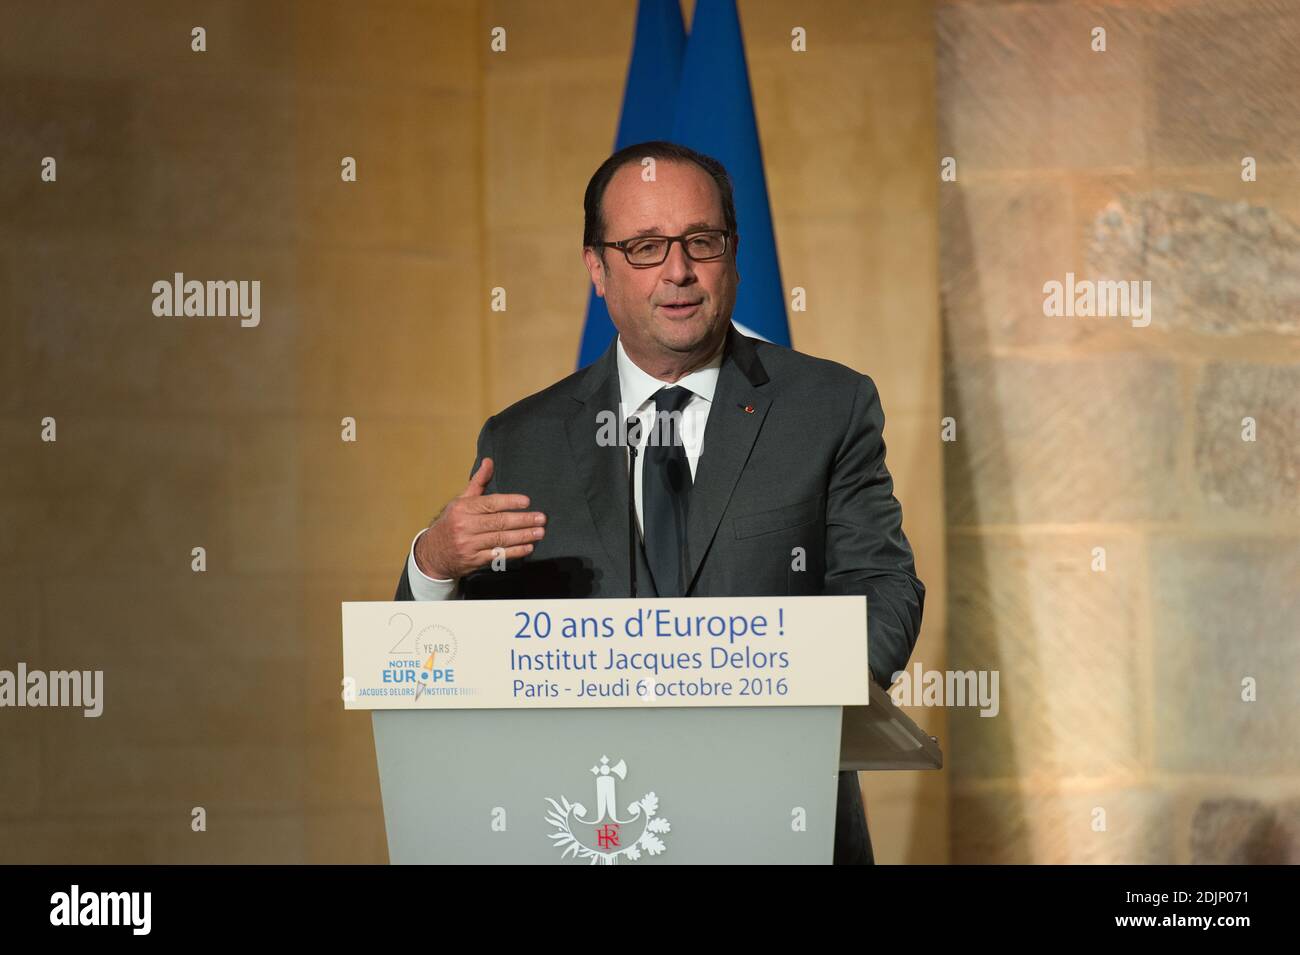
column 1122, row 689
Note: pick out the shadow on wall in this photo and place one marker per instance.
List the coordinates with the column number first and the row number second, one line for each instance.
column 1246, row 832
column 984, row 826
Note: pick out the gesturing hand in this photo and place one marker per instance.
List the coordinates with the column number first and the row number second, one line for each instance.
column 473, row 525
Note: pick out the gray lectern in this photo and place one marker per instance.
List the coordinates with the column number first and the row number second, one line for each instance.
column 643, row 784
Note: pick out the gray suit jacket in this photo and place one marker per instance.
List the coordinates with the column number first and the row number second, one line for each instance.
column 793, row 456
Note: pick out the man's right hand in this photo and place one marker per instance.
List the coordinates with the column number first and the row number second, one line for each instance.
column 475, row 527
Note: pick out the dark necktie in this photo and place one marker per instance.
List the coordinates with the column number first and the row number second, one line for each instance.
column 666, row 494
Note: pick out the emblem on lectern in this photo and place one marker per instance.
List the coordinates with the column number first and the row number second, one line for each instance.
column 603, row 837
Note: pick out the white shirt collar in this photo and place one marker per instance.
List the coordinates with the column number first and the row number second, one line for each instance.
column 636, row 386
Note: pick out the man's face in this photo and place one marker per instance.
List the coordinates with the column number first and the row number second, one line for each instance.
column 682, row 198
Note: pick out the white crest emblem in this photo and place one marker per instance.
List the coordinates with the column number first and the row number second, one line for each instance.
column 604, row 837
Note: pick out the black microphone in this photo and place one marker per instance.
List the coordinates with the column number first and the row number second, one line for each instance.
column 633, row 438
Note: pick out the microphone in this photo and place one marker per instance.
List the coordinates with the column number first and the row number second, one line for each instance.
column 633, row 438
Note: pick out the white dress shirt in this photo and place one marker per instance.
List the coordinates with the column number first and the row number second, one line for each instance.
column 637, row 389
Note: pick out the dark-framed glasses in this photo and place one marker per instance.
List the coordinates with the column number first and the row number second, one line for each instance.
column 701, row 246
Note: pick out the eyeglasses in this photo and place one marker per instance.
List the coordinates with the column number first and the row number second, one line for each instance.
column 645, row 250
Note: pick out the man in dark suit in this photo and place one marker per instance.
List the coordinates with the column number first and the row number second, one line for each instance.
column 772, row 477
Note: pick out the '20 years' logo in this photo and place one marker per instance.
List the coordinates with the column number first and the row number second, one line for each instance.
column 422, row 660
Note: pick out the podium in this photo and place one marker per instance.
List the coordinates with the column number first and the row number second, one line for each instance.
column 677, row 769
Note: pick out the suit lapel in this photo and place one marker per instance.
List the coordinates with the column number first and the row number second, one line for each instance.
column 729, row 436
column 602, row 472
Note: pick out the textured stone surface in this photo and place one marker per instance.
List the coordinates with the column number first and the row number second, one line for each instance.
column 221, row 703
column 839, row 24
column 853, row 276
column 1245, row 832
column 20, row 752
column 203, row 695
column 1066, row 642
column 346, row 837
column 537, row 180
column 1019, row 86
column 113, row 494
column 234, row 837
column 1223, row 610
column 422, row 44
column 1056, row 441
column 118, row 777
column 869, row 126
column 907, row 830
column 247, row 39
column 262, row 472
column 78, row 122
column 20, row 617
column 80, row 317
column 1123, row 165
column 1006, row 826
column 1221, row 76
column 214, row 178
column 417, row 188
column 1256, row 477
column 543, row 277
column 384, row 482
column 251, row 621
column 1216, row 266
column 380, row 326
column 999, row 243
column 140, row 493
column 11, row 384
column 1288, row 827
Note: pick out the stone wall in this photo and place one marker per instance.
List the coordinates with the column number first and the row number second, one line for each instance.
column 1123, row 734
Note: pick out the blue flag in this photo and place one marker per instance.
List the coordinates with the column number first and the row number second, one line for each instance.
column 649, row 98
column 715, row 116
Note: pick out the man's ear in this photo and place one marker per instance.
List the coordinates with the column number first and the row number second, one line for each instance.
column 735, row 250
column 595, row 268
